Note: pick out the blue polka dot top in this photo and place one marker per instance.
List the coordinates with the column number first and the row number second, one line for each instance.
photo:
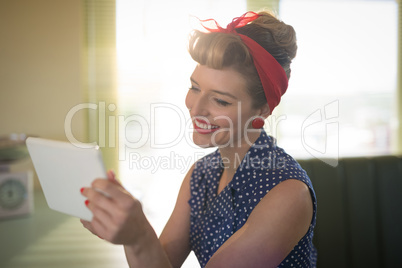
column 214, row 218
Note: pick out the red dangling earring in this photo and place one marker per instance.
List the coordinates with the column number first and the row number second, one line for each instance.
column 258, row 122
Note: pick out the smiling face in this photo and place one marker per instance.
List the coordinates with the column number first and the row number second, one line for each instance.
column 220, row 107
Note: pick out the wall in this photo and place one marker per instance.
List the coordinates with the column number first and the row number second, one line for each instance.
column 40, row 69
column 40, row 66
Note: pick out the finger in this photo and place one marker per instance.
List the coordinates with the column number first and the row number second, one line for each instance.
column 84, row 191
column 111, row 175
column 99, row 227
column 116, row 194
column 101, row 212
column 97, row 185
column 85, row 223
column 105, row 225
column 112, row 190
column 105, row 202
column 88, row 226
column 99, row 201
column 101, row 221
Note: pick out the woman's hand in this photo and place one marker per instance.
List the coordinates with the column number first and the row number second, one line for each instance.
column 119, row 219
column 117, row 215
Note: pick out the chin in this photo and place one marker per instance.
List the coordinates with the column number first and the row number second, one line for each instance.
column 206, row 141
column 202, row 142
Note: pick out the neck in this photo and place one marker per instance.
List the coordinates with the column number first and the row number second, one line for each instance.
column 233, row 155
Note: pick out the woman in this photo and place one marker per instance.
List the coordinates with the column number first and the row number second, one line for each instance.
column 248, row 204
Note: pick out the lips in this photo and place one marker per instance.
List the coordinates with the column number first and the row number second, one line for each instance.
column 203, row 127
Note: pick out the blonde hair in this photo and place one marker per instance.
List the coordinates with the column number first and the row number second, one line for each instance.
column 221, row 50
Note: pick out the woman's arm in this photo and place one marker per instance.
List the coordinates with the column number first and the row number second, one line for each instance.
column 175, row 238
column 274, row 227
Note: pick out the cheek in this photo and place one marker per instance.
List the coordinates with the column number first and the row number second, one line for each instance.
column 244, row 118
column 227, row 119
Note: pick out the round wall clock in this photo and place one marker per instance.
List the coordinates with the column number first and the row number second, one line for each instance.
column 16, row 194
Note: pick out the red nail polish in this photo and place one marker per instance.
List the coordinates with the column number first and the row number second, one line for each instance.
column 86, row 202
column 82, row 189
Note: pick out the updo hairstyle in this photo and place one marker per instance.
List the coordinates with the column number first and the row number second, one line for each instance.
column 221, row 50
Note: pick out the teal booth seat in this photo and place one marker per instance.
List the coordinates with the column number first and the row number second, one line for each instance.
column 359, row 219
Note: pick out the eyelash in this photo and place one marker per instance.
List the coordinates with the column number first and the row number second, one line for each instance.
column 219, row 101
column 194, row 88
column 222, row 102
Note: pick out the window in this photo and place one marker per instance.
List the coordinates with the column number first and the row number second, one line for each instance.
column 341, row 96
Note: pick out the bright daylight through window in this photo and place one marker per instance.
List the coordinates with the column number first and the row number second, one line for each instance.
column 342, row 91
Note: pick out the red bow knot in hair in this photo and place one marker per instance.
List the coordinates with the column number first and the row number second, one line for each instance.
column 236, row 23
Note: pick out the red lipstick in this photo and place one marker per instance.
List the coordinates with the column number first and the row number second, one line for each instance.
column 204, row 127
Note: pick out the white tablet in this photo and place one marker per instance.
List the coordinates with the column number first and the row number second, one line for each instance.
column 63, row 169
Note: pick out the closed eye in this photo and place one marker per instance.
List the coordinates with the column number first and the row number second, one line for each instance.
column 222, row 102
column 194, row 89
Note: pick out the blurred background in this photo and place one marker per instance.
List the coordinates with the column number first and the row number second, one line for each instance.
column 129, row 58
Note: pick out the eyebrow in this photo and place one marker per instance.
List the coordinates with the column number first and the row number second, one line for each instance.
column 216, row 91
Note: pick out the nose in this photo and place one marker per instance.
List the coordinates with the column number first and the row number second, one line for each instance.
column 197, row 104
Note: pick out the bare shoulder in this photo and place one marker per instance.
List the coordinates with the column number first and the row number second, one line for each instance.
column 184, row 192
column 290, row 192
column 290, row 197
column 182, row 208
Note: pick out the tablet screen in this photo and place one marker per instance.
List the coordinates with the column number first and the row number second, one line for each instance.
column 63, row 169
